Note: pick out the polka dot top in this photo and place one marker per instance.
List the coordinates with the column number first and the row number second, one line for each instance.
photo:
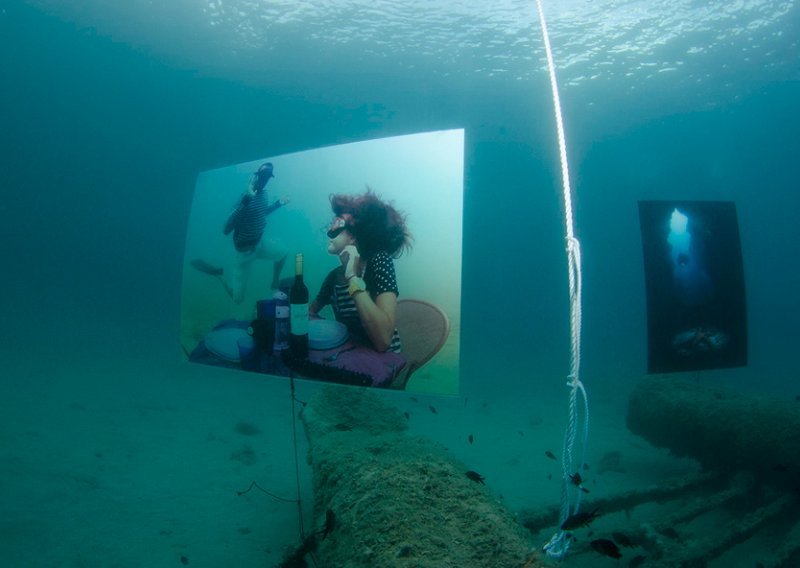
column 379, row 277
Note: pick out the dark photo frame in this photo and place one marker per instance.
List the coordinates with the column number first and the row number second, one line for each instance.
column 694, row 278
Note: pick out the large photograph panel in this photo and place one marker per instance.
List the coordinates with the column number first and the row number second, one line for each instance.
column 382, row 218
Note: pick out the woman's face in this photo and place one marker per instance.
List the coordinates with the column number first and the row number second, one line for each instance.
column 338, row 236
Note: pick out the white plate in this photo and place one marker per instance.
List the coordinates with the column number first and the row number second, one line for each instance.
column 225, row 343
column 326, row 334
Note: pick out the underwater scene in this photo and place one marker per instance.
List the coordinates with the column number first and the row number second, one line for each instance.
column 548, row 313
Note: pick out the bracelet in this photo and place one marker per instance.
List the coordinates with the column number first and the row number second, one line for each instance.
column 356, row 285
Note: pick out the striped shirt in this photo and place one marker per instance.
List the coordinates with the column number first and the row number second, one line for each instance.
column 379, row 277
column 249, row 220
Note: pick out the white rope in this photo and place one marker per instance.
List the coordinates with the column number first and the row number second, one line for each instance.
column 558, row 545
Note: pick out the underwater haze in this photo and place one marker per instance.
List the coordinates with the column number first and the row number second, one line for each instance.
column 118, row 452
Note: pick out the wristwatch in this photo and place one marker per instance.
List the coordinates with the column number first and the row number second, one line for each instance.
column 356, row 285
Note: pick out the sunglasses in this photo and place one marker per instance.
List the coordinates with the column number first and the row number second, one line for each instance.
column 337, row 227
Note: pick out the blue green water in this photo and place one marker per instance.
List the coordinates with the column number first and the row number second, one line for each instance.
column 103, row 133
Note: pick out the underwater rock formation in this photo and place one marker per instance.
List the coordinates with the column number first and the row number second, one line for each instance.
column 723, row 430
column 399, row 500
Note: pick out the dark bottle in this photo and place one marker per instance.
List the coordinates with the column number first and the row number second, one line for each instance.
column 298, row 298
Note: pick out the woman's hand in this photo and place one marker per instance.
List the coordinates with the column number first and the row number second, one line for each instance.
column 351, row 261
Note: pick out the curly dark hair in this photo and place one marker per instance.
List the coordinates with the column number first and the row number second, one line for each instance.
column 377, row 226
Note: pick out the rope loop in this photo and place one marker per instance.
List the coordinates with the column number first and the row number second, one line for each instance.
column 558, row 545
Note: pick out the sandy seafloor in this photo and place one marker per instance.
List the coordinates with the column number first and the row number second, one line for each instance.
column 110, row 462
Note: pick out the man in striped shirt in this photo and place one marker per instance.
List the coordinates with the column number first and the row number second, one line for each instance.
column 247, row 222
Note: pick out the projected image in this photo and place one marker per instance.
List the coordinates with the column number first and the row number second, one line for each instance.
column 696, row 316
column 338, row 264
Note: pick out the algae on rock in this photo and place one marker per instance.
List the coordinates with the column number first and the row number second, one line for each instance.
column 399, row 500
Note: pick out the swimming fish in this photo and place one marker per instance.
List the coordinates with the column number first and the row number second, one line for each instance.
column 551, row 455
column 606, row 547
column 330, row 523
column 475, row 476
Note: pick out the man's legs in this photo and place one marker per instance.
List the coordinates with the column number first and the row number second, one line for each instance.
column 276, row 251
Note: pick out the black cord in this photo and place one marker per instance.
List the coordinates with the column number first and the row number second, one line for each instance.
column 257, row 486
column 292, row 400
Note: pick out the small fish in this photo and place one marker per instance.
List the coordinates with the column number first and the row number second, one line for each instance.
column 470, row 438
column 671, row 533
column 551, row 455
column 407, row 415
column 576, row 479
column 579, row 520
column 606, row 548
column 780, row 467
column 583, row 489
column 476, row 477
column 414, row 399
column 622, row 539
column 466, row 398
column 330, row 523
column 637, row 560
column 432, row 409
column 549, row 476
column 342, row 427
column 184, row 560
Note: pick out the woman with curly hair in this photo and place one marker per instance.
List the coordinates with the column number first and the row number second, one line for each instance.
column 366, row 234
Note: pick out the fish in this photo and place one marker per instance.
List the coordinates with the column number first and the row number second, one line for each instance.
column 623, row 540
column 470, row 438
column 576, row 479
column 671, row 533
column 583, row 489
column 476, row 477
column 432, row 409
column 407, row 415
column 551, row 455
column 606, row 547
column 578, row 520
column 330, row 523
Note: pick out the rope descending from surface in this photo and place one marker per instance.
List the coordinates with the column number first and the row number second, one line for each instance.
column 558, row 545
column 296, row 459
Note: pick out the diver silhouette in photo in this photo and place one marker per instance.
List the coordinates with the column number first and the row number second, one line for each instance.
column 247, row 223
